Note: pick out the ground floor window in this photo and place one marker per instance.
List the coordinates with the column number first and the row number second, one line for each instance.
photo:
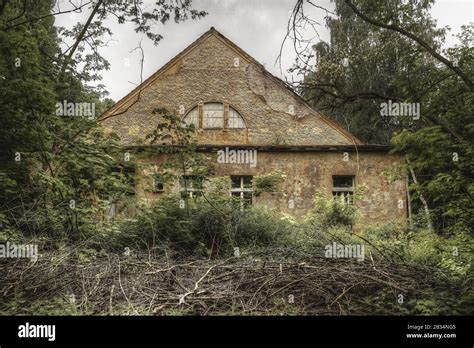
column 242, row 189
column 191, row 186
column 343, row 188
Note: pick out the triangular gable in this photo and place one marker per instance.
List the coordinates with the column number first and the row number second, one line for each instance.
column 123, row 104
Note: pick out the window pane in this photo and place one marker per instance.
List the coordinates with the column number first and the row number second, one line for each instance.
column 342, row 181
column 213, row 115
column 158, row 186
column 346, row 197
column 247, row 199
column 235, row 120
column 235, row 181
column 247, row 182
column 240, row 182
column 192, row 117
column 193, row 182
column 242, row 189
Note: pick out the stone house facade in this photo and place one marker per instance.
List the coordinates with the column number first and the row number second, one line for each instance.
column 235, row 104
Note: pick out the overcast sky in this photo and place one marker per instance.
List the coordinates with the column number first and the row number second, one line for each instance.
column 257, row 26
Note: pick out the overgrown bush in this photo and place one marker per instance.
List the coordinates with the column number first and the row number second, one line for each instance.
column 328, row 211
column 166, row 237
column 199, row 227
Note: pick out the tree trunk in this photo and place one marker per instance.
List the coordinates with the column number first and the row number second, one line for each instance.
column 422, row 199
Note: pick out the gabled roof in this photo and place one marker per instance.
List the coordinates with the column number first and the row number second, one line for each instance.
column 212, row 31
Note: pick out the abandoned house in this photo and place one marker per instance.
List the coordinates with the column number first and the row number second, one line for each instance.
column 235, row 104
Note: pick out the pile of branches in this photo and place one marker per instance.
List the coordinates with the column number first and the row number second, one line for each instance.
column 274, row 282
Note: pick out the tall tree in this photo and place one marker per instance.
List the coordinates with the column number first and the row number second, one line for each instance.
column 58, row 167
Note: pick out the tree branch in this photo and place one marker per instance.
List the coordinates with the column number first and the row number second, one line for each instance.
column 415, row 38
column 79, row 38
column 42, row 17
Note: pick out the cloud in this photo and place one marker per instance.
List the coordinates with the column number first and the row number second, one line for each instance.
column 258, row 27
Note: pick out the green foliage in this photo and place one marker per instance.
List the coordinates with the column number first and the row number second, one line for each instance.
column 208, row 229
column 59, row 174
column 262, row 227
column 173, row 135
column 330, row 211
column 439, row 145
column 70, row 159
column 423, row 247
column 445, row 172
column 343, row 81
column 166, row 231
column 46, row 160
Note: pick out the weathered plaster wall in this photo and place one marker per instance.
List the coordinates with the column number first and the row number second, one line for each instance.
column 206, row 72
column 311, row 171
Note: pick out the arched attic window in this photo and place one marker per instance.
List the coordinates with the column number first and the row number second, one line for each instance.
column 215, row 116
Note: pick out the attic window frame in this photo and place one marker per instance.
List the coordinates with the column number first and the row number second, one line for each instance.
column 227, row 109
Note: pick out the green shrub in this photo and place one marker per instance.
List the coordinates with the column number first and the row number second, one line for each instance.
column 328, row 211
column 201, row 228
